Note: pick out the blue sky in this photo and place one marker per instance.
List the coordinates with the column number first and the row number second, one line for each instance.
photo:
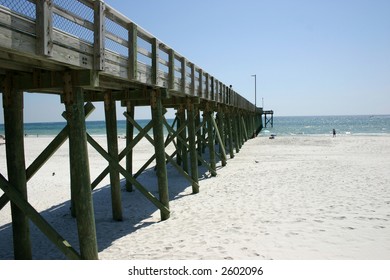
column 311, row 57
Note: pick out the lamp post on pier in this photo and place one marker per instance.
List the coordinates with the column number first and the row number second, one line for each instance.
column 255, row 91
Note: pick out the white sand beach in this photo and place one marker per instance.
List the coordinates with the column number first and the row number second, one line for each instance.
column 287, row 198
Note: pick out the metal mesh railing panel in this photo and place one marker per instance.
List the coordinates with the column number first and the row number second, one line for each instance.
column 79, row 10
column 121, row 33
column 22, row 7
column 73, row 28
column 76, row 7
column 116, row 47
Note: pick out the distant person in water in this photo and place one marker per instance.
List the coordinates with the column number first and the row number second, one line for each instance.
column 334, row 132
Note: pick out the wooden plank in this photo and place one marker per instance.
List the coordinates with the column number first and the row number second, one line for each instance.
column 16, row 22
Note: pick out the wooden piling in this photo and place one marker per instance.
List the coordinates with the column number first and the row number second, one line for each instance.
column 199, row 142
column 236, row 132
column 220, row 142
column 14, row 133
column 81, row 188
column 184, row 153
column 192, row 144
column 112, row 145
column 211, row 141
column 159, row 148
column 230, row 134
column 129, row 139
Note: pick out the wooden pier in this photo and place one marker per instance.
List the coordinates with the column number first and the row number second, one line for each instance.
column 85, row 51
column 268, row 118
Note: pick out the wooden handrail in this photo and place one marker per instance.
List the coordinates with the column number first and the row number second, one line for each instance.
column 166, row 67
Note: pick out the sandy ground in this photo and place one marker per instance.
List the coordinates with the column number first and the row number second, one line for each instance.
column 286, row 198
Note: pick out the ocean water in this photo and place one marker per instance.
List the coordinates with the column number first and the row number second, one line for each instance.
column 323, row 125
column 315, row 125
column 97, row 128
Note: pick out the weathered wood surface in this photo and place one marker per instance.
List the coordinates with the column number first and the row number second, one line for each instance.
column 87, row 34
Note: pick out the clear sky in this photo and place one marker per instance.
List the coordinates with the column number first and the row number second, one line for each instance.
column 311, row 57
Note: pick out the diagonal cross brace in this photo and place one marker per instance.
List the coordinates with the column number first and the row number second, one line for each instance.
column 54, row 145
column 127, row 175
column 123, row 153
column 38, row 220
column 168, row 140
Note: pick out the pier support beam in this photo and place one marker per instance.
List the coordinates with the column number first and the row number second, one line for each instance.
column 129, row 139
column 112, row 146
column 159, row 147
column 230, row 134
column 211, row 140
column 192, row 144
column 81, row 185
column 181, row 114
column 13, row 128
column 236, row 132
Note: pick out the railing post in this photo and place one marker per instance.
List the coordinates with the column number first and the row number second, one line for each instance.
column 99, row 35
column 192, row 79
column 212, row 89
column 183, row 74
column 207, row 84
column 171, row 69
column 132, row 60
column 44, row 27
column 200, row 89
column 155, row 62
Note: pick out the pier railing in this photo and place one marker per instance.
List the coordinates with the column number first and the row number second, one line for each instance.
column 87, row 34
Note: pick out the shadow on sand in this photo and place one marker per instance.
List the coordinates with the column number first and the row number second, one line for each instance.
column 137, row 213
